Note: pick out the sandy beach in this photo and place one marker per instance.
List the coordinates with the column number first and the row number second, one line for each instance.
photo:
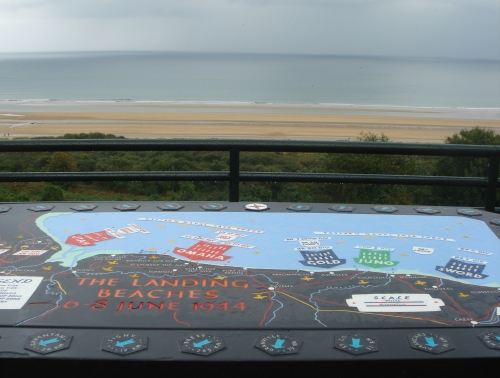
column 295, row 123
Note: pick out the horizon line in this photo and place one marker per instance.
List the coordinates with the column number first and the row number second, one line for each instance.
column 382, row 56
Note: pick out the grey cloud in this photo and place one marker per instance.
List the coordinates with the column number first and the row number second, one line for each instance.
column 440, row 28
column 106, row 8
column 195, row 8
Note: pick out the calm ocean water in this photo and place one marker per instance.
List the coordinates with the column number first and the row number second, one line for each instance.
column 42, row 78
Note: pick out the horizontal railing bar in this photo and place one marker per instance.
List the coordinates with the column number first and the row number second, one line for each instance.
column 365, row 179
column 113, row 176
column 245, row 176
column 33, row 145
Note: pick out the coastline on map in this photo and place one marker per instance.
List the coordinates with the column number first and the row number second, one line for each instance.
column 239, row 120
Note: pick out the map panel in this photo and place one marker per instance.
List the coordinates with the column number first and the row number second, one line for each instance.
column 248, row 270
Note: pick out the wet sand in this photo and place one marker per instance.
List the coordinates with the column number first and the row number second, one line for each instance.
column 245, row 123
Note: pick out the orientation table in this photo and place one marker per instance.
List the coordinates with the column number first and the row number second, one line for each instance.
column 192, row 282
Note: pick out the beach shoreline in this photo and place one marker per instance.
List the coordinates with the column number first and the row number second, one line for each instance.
column 244, row 122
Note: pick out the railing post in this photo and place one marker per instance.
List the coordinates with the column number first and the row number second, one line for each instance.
column 234, row 175
column 491, row 190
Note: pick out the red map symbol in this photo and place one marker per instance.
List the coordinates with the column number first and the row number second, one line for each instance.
column 86, row 240
column 204, row 251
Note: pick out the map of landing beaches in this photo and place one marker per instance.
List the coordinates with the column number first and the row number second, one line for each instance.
column 248, row 270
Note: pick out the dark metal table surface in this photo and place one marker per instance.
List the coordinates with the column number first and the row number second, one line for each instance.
column 304, row 284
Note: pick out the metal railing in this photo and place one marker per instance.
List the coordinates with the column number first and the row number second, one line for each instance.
column 234, row 176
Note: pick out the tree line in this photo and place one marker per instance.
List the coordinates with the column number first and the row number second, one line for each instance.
column 249, row 161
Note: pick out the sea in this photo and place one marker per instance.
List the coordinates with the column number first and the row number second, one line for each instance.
column 86, row 80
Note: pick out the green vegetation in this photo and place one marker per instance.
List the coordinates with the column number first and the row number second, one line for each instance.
column 249, row 161
column 377, row 164
column 464, row 166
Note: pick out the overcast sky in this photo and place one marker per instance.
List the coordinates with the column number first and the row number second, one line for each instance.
column 421, row 28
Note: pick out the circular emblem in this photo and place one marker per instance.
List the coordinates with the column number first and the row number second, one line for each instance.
column 430, row 342
column 124, row 343
column 84, row 207
column 299, row 207
column 356, row 344
column 127, row 207
column 4, row 208
column 170, row 206
column 278, row 344
column 385, row 209
column 48, row 342
column 213, row 206
column 426, row 210
column 342, row 208
column 202, row 344
column 41, row 207
column 491, row 339
column 256, row 207
column 469, row 212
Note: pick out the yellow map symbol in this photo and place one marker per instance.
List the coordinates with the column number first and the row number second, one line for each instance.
column 260, row 296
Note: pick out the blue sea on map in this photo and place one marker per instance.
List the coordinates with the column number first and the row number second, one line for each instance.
column 267, row 243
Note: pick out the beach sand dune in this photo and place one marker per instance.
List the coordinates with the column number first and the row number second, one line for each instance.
column 242, row 123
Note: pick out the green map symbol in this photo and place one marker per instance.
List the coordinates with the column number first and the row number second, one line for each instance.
column 375, row 259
